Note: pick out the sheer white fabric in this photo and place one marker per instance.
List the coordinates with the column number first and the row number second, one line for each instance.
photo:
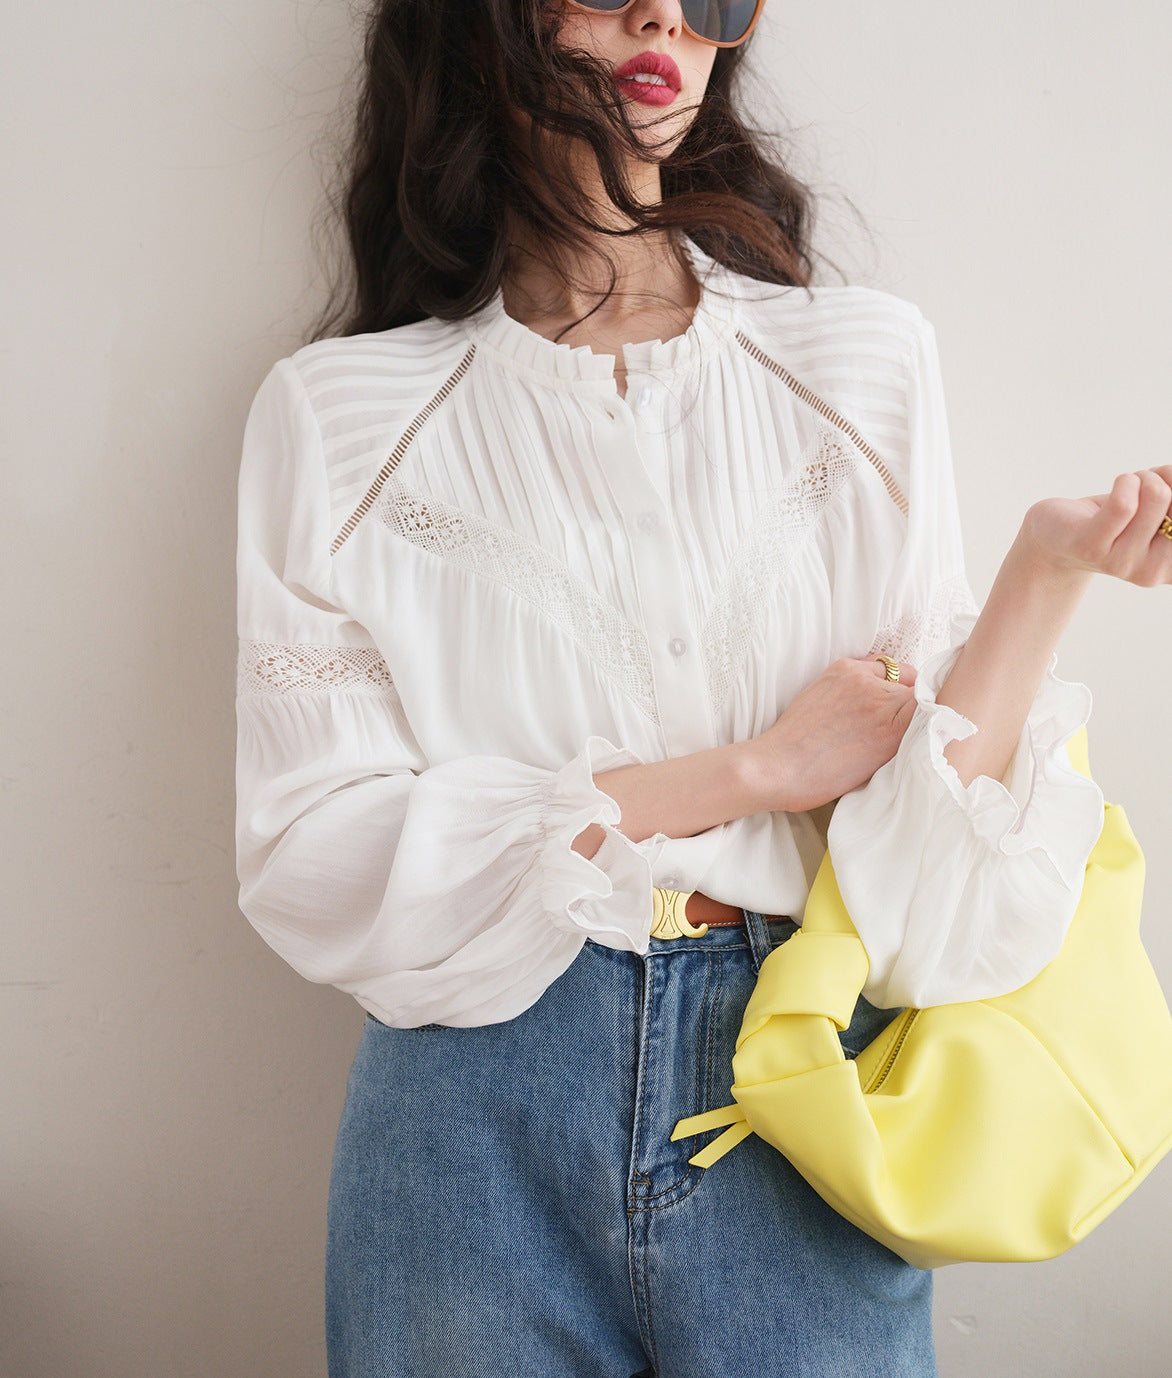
column 472, row 576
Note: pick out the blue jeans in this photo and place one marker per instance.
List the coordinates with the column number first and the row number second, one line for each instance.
column 506, row 1202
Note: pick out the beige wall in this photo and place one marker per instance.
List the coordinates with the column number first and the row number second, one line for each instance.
column 171, row 1089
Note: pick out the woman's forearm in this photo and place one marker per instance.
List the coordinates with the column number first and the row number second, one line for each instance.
column 679, row 797
column 1000, row 668
column 993, row 683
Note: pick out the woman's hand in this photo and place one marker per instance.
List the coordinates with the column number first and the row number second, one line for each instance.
column 842, row 727
column 1110, row 533
column 834, row 735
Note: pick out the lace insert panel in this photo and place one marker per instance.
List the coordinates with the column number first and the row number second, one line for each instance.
column 263, row 667
column 767, row 555
column 603, row 633
column 920, row 634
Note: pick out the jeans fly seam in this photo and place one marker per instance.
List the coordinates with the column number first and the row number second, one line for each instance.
column 713, row 1035
column 649, row 1335
column 641, row 1087
column 702, row 1052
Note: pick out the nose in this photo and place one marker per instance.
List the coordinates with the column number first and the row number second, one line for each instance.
column 665, row 14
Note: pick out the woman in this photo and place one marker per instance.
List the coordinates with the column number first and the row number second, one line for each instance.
column 582, row 577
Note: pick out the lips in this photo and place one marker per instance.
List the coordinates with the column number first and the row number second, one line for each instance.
column 656, row 64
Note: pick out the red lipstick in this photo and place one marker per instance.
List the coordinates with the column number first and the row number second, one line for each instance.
column 652, row 65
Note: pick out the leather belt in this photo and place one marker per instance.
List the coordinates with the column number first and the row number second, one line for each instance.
column 690, row 914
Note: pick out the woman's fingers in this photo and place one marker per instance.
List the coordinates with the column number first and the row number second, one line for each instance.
column 1122, row 538
column 1112, row 519
column 1158, row 563
column 907, row 710
column 1115, row 533
column 1142, row 498
column 1154, row 501
column 1132, row 552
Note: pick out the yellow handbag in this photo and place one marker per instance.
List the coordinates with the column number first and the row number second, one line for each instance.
column 1002, row 1129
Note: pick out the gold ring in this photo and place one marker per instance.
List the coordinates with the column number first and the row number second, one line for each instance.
column 892, row 668
column 1165, row 528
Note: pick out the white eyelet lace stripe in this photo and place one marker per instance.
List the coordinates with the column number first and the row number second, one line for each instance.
column 615, row 644
column 920, row 634
column 767, row 555
column 398, row 452
column 835, row 418
column 264, row 667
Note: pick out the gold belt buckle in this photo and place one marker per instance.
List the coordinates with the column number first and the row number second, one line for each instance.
column 669, row 919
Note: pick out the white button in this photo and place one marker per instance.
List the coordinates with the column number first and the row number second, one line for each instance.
column 676, row 646
column 648, row 521
column 671, row 882
column 644, row 396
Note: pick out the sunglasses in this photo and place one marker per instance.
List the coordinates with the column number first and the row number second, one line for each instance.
column 723, row 23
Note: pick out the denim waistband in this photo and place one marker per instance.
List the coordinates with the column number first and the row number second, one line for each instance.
column 759, row 934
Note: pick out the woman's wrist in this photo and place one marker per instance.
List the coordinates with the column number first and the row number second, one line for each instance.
column 1057, row 580
column 1001, row 666
column 762, row 780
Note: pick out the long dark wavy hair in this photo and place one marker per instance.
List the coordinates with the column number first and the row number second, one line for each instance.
column 437, row 169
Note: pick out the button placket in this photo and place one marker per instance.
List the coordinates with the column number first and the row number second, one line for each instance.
column 661, row 591
column 638, row 397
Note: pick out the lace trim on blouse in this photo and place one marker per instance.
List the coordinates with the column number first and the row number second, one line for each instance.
column 263, row 668
column 618, row 646
column 610, row 639
column 920, row 634
column 767, row 555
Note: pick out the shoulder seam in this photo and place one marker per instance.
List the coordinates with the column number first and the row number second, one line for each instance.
column 289, row 367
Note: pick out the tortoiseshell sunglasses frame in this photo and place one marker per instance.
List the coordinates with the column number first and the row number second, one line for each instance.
column 620, row 9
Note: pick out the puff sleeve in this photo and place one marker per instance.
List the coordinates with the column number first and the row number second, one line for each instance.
column 442, row 893
column 958, row 893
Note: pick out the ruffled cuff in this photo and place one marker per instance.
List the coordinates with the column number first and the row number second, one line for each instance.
column 606, row 897
column 1048, row 806
column 965, row 893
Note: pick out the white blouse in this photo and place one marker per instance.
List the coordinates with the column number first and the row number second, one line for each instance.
column 472, row 575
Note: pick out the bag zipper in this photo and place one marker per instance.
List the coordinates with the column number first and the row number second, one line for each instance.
column 909, row 1018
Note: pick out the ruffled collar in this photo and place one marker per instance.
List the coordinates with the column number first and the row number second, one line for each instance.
column 713, row 325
